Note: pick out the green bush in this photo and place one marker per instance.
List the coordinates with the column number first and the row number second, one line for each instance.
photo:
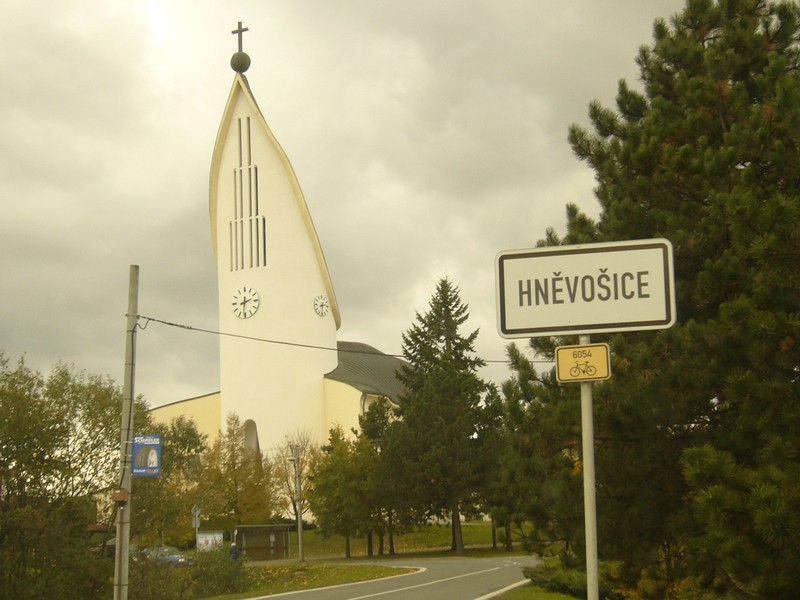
column 553, row 576
column 215, row 572
column 152, row 580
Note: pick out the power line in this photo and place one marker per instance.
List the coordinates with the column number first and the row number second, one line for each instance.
column 149, row 320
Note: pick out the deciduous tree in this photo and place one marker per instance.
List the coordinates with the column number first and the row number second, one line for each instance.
column 297, row 446
column 162, row 505
column 59, row 448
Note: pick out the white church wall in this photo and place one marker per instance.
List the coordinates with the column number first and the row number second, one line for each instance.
column 275, row 377
column 342, row 406
column 204, row 410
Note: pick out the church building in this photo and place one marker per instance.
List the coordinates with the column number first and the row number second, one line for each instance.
column 282, row 369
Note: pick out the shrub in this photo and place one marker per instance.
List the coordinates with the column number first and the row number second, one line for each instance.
column 152, row 580
column 553, row 576
column 215, row 572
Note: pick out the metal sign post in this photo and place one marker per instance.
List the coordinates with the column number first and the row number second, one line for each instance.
column 580, row 290
column 298, row 470
column 586, row 363
column 196, row 525
column 589, row 501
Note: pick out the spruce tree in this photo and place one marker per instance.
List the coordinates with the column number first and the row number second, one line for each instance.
column 434, row 447
column 698, row 431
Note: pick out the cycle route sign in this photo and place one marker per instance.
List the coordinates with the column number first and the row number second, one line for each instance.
column 585, row 362
column 584, row 289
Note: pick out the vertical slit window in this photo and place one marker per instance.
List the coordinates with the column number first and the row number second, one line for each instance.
column 264, row 240
column 236, row 264
column 241, row 194
column 250, row 190
column 249, row 145
column 235, row 216
column 255, row 190
column 241, row 244
column 250, row 240
column 258, row 244
column 240, row 142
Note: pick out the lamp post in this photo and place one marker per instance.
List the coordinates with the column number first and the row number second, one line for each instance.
column 295, row 458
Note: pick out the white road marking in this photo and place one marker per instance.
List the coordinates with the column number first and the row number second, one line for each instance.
column 419, row 585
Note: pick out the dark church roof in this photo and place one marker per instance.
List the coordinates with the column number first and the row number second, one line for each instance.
column 368, row 370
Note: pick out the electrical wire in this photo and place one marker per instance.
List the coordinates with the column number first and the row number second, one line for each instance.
column 148, row 320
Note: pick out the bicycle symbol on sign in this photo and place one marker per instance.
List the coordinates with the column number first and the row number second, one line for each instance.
column 583, row 369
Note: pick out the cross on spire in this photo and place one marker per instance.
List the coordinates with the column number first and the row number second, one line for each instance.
column 239, row 31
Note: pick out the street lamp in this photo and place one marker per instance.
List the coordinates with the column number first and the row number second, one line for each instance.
column 298, row 499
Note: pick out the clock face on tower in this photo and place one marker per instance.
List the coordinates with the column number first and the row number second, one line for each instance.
column 245, row 302
column 321, row 305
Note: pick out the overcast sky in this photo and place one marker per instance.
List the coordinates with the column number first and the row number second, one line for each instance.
column 427, row 136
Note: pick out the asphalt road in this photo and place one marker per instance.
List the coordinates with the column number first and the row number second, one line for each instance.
column 436, row 579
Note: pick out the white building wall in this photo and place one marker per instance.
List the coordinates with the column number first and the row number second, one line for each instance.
column 274, row 378
column 342, row 406
column 204, row 410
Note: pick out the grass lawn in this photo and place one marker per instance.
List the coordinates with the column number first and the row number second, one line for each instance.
column 427, row 537
column 275, row 579
column 319, row 570
column 528, row 592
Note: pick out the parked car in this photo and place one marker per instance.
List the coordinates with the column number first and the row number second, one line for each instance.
column 168, row 555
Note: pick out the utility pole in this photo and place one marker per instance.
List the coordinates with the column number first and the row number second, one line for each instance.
column 122, row 495
column 298, row 499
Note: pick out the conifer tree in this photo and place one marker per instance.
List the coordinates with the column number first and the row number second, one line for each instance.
column 540, row 467
column 700, row 424
column 434, row 448
column 236, row 484
column 334, row 495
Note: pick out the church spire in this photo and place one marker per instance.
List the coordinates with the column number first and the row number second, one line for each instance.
column 240, row 61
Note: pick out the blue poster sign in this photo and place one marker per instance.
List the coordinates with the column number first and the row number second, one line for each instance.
column 146, row 455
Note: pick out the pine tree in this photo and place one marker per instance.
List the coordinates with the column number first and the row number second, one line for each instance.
column 700, row 424
column 434, row 448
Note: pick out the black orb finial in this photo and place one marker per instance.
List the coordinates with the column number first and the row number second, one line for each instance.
column 240, row 61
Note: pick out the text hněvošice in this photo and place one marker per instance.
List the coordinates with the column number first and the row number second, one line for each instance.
column 604, row 286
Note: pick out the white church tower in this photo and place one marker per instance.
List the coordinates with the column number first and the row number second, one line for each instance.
column 277, row 308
